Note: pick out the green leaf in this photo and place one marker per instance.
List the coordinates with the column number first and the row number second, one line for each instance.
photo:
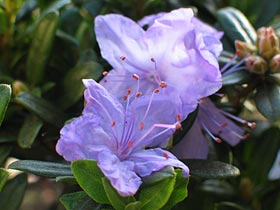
column 3, row 177
column 89, row 177
column 29, row 131
column 133, row 206
column 78, row 201
column 238, row 77
column 228, row 206
column 73, row 87
column 218, row 187
column 13, row 192
column 7, row 137
column 180, row 191
column 42, row 108
column 117, row 201
column 270, row 8
column 267, row 99
column 68, row 179
column 155, row 196
column 4, row 152
column 211, row 169
column 158, row 176
column 233, row 26
column 48, row 169
column 5, row 95
column 41, row 47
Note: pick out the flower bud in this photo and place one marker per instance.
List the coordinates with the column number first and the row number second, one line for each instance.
column 18, row 87
column 256, row 64
column 275, row 64
column 267, row 42
column 244, row 49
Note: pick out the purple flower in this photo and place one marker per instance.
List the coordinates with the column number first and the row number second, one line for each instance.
column 176, row 53
column 117, row 136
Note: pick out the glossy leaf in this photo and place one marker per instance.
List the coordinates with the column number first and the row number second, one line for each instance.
column 180, row 191
column 42, row 108
column 5, row 95
column 4, row 152
column 158, row 176
column 29, row 131
column 68, row 179
column 13, row 192
column 155, row 196
column 48, row 169
column 79, row 201
column 3, row 178
column 218, row 187
column 211, row 169
column 270, row 8
column 267, row 99
column 73, row 87
column 89, row 177
column 117, row 201
column 40, row 49
column 238, row 77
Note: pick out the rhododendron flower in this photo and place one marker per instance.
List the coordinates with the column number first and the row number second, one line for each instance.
column 175, row 54
column 219, row 126
column 118, row 136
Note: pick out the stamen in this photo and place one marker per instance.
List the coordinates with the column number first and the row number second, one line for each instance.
column 244, row 122
column 113, row 123
column 246, row 136
column 202, row 101
column 128, row 91
column 163, row 84
column 179, row 117
column 153, row 60
column 250, row 124
column 122, row 58
column 165, row 155
column 135, row 76
column 216, row 139
column 138, row 94
column 141, row 126
column 124, row 98
column 130, row 144
column 178, row 126
column 221, row 95
column 156, row 91
column 105, row 73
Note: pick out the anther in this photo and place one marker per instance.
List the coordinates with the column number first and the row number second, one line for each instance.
column 156, row 90
column 124, row 98
column 179, row 117
column 141, row 126
column 163, row 84
column 218, row 140
column 224, row 124
column 138, row 94
column 105, row 80
column 178, row 126
column 202, row 101
column 122, row 58
column 105, row 73
column 130, row 144
column 152, row 59
column 128, row 91
column 250, row 124
column 135, row 76
column 246, row 136
column 165, row 155
column 113, row 123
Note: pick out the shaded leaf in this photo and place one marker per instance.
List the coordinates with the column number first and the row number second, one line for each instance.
column 267, row 100
column 13, row 192
column 228, row 206
column 218, row 187
column 157, row 176
column 48, row 169
column 42, row 108
column 5, row 95
column 79, row 201
column 117, row 201
column 89, row 177
column 29, row 131
column 4, row 152
column 68, row 179
column 238, row 77
column 133, row 206
column 211, row 169
column 3, row 178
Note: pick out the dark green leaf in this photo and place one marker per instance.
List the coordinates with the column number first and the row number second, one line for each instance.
column 218, row 187
column 267, row 99
column 42, row 108
column 238, row 77
column 5, row 95
column 68, row 179
column 211, row 169
column 41, row 46
column 270, row 8
column 133, row 206
column 228, row 206
column 7, row 137
column 78, row 201
column 48, row 169
column 3, row 178
column 13, row 192
column 89, row 177
column 73, row 87
column 117, row 201
column 180, row 191
column 155, row 196
column 29, row 131
column 4, row 152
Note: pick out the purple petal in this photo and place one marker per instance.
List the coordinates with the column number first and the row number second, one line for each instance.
column 83, row 139
column 149, row 161
column 194, row 145
column 120, row 173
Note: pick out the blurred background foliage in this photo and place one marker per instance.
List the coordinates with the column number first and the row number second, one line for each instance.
column 47, row 47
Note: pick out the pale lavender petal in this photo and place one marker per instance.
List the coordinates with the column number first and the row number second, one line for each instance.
column 194, row 145
column 83, row 139
column 149, row 161
column 120, row 173
column 150, row 19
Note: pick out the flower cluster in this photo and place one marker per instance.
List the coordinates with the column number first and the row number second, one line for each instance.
column 159, row 76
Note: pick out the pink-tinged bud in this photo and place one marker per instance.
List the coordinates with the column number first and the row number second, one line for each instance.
column 267, row 42
column 18, row 87
column 275, row 64
column 256, row 64
column 244, row 49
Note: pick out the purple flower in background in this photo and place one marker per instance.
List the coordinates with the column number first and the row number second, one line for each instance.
column 215, row 122
column 177, row 53
column 117, row 136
